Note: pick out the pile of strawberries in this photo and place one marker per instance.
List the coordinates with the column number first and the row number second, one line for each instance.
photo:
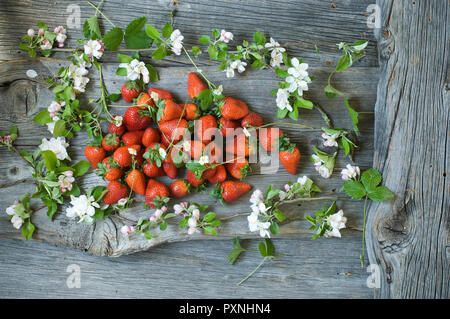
column 135, row 154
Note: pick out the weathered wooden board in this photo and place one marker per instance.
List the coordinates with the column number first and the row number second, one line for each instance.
column 325, row 268
column 409, row 237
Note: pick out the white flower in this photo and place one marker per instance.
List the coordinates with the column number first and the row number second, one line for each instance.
column 277, row 59
column 272, row 44
column 162, row 153
column 30, row 32
column 178, row 209
column 127, row 230
column 17, row 221
column 225, row 36
column 317, row 160
column 60, row 38
column 10, row 210
column 246, row 132
column 297, row 84
column 55, row 107
column 283, row 100
column 336, row 221
column 230, row 72
column 298, row 70
column 94, row 48
column 51, row 125
column 350, row 172
column 132, row 151
column 255, row 225
column 78, row 74
column 83, row 207
column 46, row 45
column 176, row 39
column 192, row 230
column 65, row 181
column 257, row 197
column 187, row 146
column 239, row 65
column 219, row 89
column 324, row 171
column 192, row 222
column 56, row 145
column 154, row 96
column 282, row 195
column 302, row 180
column 117, row 120
column 330, row 140
column 203, row 160
column 122, row 201
column 134, row 70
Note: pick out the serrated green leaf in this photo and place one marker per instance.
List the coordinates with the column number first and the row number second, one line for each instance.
column 167, row 30
column 136, row 25
column 113, row 38
column 43, row 117
column 81, row 168
column 279, row 215
column 50, row 160
column 124, row 58
column 380, row 193
column 137, row 40
column 371, row 178
column 354, row 115
column 354, row 189
column 27, row 230
column 159, row 53
column 259, row 38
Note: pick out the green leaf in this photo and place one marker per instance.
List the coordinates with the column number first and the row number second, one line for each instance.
column 27, row 230
column 331, row 92
column 124, row 58
column 50, row 160
column 212, row 51
column 135, row 25
column 262, row 249
column 281, row 73
column 380, row 193
column 281, row 114
column 206, row 98
column 196, row 50
column 159, row 53
column 210, row 231
column 259, row 38
column 360, row 45
column 354, row 115
column 43, row 117
column 163, row 226
column 204, row 39
column 270, row 249
column 92, row 29
column 167, row 30
column 300, row 102
column 235, row 252
column 209, row 217
column 153, row 74
column 152, row 32
column 279, row 215
column 354, row 189
column 294, row 114
column 344, row 63
column 137, row 40
column 274, row 228
column 60, row 129
column 113, row 38
column 122, row 72
column 371, row 178
column 81, row 168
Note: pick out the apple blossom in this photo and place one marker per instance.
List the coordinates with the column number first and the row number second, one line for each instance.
column 82, row 207
column 46, row 45
column 350, row 172
column 94, row 48
column 127, row 230
column 283, row 100
column 176, row 39
column 225, row 36
column 56, row 145
column 30, row 32
column 336, row 222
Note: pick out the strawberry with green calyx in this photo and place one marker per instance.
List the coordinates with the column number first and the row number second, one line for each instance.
column 113, row 128
column 239, row 168
column 195, row 85
column 229, row 191
column 152, row 170
column 130, row 90
column 109, row 169
column 94, row 152
column 116, row 191
column 137, row 118
column 220, row 175
column 110, row 142
column 194, row 180
column 289, row 155
column 180, row 188
column 155, row 153
column 167, row 110
column 268, row 138
column 191, row 111
column 156, row 194
column 144, row 100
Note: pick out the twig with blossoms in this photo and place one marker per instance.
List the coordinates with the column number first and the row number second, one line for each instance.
column 43, row 40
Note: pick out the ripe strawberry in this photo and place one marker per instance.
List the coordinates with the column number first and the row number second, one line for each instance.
column 109, row 169
column 197, row 148
column 162, row 94
column 252, row 119
column 209, row 172
column 150, row 135
column 94, row 155
column 130, row 91
column 232, row 190
column 144, row 100
column 214, row 152
column 119, row 130
column 110, row 142
column 165, row 140
column 234, row 109
column 239, row 168
column 170, row 169
column 220, row 175
column 123, row 157
column 205, row 128
column 132, row 138
column 290, row 160
column 227, row 127
column 190, row 111
column 116, row 192
column 152, row 170
column 195, row 85
column 174, row 129
column 179, row 188
column 168, row 110
column 137, row 118
column 136, row 181
column 155, row 192
column 240, row 146
column 193, row 180
column 268, row 137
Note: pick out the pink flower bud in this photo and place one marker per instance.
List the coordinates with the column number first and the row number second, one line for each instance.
column 30, row 32
column 152, row 218
column 68, row 173
column 41, row 32
column 60, row 44
column 7, row 138
column 52, row 114
column 287, row 187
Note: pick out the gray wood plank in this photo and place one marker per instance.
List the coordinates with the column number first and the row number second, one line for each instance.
column 409, row 237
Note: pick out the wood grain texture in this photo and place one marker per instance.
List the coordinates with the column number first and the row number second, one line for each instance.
column 409, row 236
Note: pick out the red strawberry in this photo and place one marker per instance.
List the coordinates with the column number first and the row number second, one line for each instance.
column 268, row 137
column 193, row 180
column 234, row 109
column 155, row 190
column 190, row 111
column 214, row 152
column 130, row 91
column 227, row 127
column 220, row 175
column 205, row 128
column 240, row 146
column 132, row 138
column 136, row 181
column 170, row 169
column 290, row 159
column 209, row 172
column 162, row 94
column 239, row 168
column 195, row 85
column 94, row 155
column 169, row 110
column 150, row 135
column 174, row 129
column 232, row 190
column 252, row 119
column 123, row 157
column 144, row 100
column 179, row 188
column 110, row 142
column 152, row 170
column 109, row 169
column 116, row 192
column 196, row 149
column 165, row 140
column 137, row 118
column 119, row 130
